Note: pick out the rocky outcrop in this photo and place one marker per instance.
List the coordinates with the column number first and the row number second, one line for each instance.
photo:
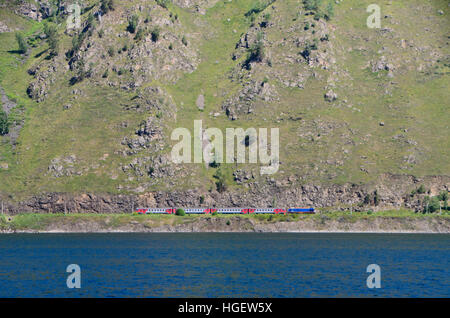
column 243, row 102
column 393, row 191
column 4, row 28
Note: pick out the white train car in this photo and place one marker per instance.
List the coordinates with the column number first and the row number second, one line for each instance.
column 156, row 211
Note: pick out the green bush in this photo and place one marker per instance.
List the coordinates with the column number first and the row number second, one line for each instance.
column 184, row 41
column 107, row 5
column 376, row 198
column 51, row 32
column 180, row 212
column 140, row 34
column 133, row 22
column 421, row 189
column 258, row 7
column 4, row 123
column 431, row 205
column 256, row 52
column 221, row 183
column 162, row 3
column 443, row 196
column 329, row 11
column 23, row 47
column 155, row 34
column 312, row 5
column 111, row 51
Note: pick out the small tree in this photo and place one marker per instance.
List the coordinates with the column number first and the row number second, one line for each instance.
column 133, row 23
column 421, row 189
column 431, row 205
column 443, row 196
column 52, row 38
column 434, row 205
column 221, row 183
column 23, row 47
column 180, row 212
column 4, row 123
column 376, row 198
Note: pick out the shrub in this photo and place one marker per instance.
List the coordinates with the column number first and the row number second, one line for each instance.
column 23, row 47
column 162, row 3
column 430, row 205
column 111, row 51
column 81, row 72
column 202, row 199
column 376, row 198
column 155, row 34
column 367, row 199
column 180, row 212
column 312, row 5
column 258, row 7
column 329, row 11
column 52, row 38
column 133, row 22
column 4, row 123
column 140, row 34
column 107, row 5
column 443, row 196
column 421, row 189
column 77, row 40
column 101, row 33
column 184, row 41
column 266, row 20
column 256, row 52
column 221, row 183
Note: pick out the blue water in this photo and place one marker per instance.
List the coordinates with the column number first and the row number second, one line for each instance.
column 224, row 265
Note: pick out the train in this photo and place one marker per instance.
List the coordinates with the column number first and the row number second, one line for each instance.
column 307, row 210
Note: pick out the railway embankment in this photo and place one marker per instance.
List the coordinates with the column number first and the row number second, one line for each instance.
column 406, row 222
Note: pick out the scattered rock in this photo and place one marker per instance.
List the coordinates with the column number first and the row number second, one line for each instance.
column 200, row 102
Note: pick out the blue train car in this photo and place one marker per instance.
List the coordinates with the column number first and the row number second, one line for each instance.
column 302, row 210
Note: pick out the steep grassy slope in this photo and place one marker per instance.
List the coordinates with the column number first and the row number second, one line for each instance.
column 386, row 109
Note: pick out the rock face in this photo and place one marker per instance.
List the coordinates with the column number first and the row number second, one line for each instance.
column 393, row 191
column 29, row 10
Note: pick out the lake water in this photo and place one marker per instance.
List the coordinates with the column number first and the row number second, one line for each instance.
column 224, row 265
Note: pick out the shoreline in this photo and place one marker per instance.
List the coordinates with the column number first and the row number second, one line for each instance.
column 234, row 232
column 319, row 223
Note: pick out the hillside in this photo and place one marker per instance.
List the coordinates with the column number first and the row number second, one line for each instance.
column 363, row 113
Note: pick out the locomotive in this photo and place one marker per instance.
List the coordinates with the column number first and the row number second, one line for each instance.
column 227, row 211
